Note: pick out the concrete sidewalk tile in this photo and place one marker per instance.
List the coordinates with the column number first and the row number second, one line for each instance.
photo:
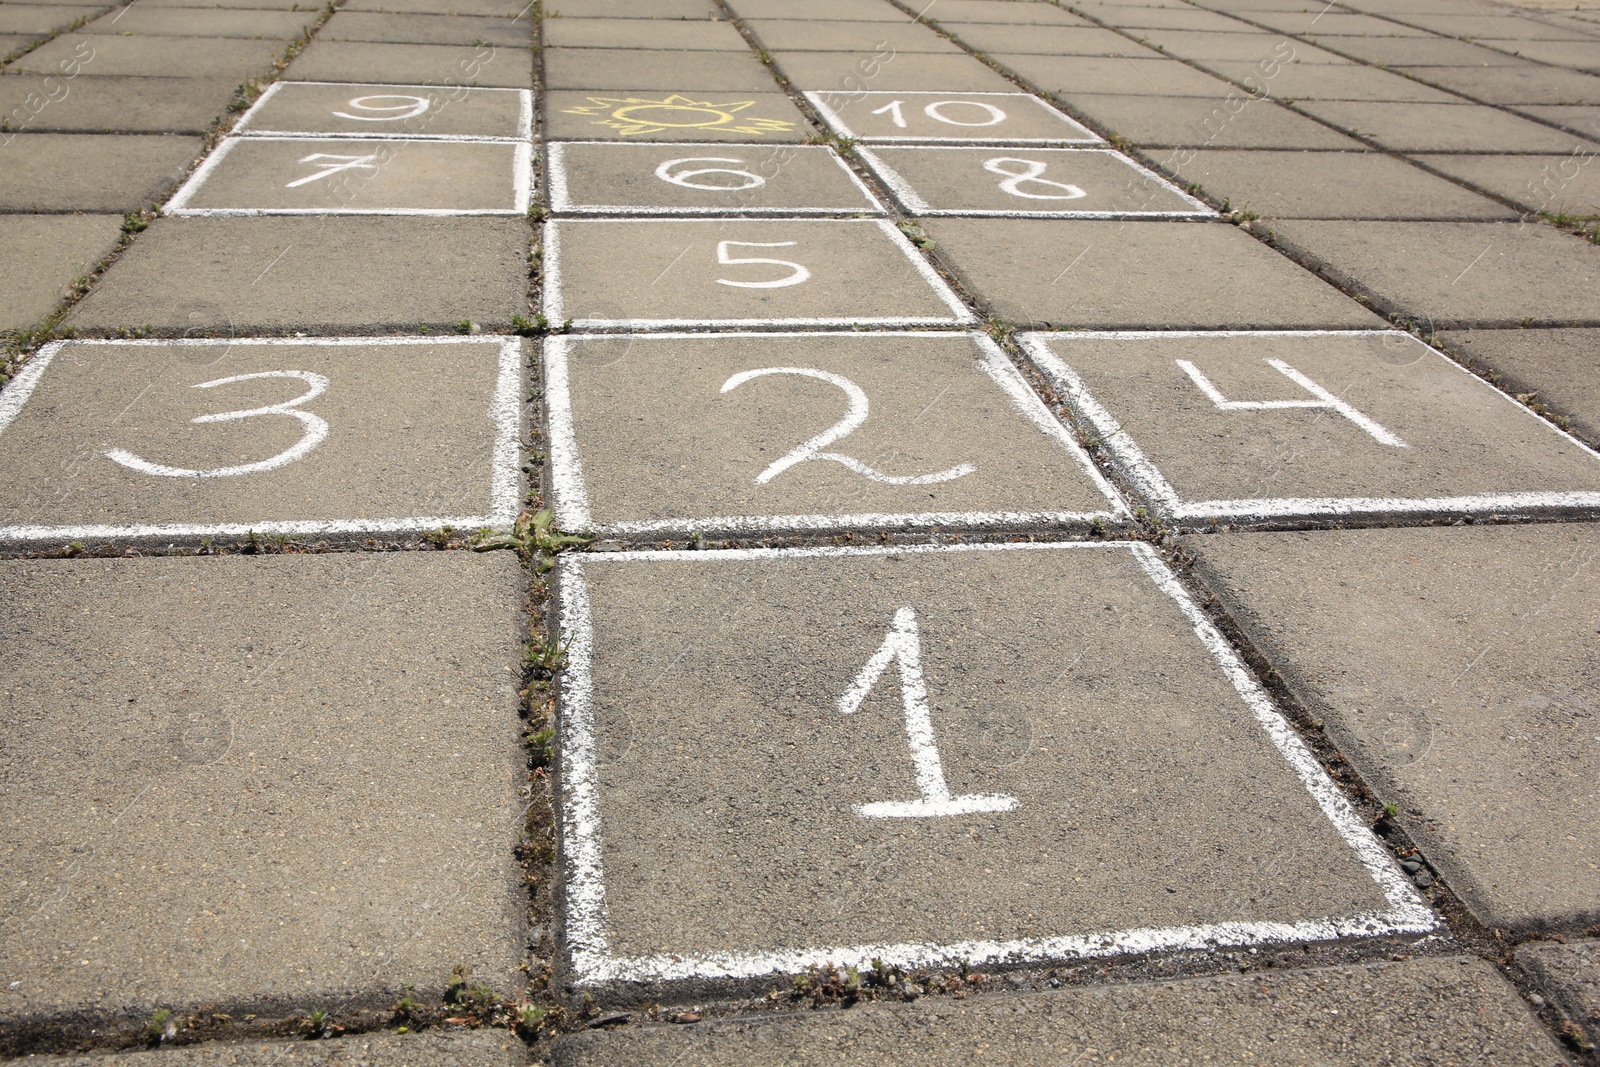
column 1561, row 185
column 1322, row 22
column 1498, row 26
column 1133, row 16
column 91, row 172
column 1454, row 668
column 42, row 255
column 249, row 5
column 1077, row 713
column 740, row 115
column 949, row 433
column 1580, row 55
column 848, row 73
column 1385, row 1013
column 724, row 179
column 1349, row 81
column 101, row 55
column 637, row 9
column 1050, row 41
column 821, row 10
column 427, row 29
column 315, row 176
column 1572, row 973
column 955, row 13
column 330, row 274
column 1419, row 52
column 1460, row 273
column 429, row 1048
column 510, row 9
column 1557, row 365
column 672, row 34
column 368, row 63
column 32, row 20
column 887, row 117
column 1097, row 74
column 660, row 273
column 111, row 439
column 1581, row 118
column 1268, row 426
column 646, row 70
column 390, row 111
column 1235, row 120
column 37, row 103
column 1324, row 185
column 1414, row 127
column 198, row 22
column 12, row 43
column 1253, row 49
column 796, row 35
column 311, row 764
column 1082, row 273
column 1031, row 182
column 1515, row 83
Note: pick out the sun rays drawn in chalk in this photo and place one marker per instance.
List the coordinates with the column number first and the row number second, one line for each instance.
column 630, row 115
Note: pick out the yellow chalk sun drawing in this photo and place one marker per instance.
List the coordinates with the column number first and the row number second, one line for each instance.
column 630, row 115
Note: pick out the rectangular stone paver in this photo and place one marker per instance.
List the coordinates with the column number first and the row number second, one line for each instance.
column 1432, row 1012
column 189, row 22
column 42, row 255
column 1051, row 41
column 803, row 35
column 1229, row 119
column 955, row 117
column 1515, row 82
column 1084, row 273
column 1560, row 185
column 938, row 429
column 421, row 111
column 101, row 55
column 606, row 178
column 678, row 35
column 1272, row 425
column 427, row 1048
column 376, row 63
column 1455, row 668
column 656, row 70
column 659, row 273
column 310, row 763
column 1572, row 973
column 43, row 104
column 1097, row 74
column 1414, row 127
column 77, row 172
column 121, row 439
column 929, row 755
column 39, row 19
column 1558, row 366
column 427, row 29
column 838, row 76
column 738, row 115
column 638, row 9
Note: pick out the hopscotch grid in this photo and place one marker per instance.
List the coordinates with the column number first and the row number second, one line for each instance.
column 244, row 128
column 914, row 203
column 504, row 412
column 1149, row 480
column 815, row 97
column 588, row 941
column 561, row 200
column 571, row 491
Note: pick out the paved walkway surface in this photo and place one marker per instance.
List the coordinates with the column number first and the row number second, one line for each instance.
column 800, row 531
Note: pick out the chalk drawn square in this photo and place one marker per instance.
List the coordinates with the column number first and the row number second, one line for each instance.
column 800, row 431
column 779, row 759
column 1254, row 426
column 219, row 437
column 949, row 118
column 406, row 112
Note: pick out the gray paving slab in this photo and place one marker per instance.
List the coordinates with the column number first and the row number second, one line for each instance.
column 1421, row 127
column 106, row 439
column 1049, row 40
column 311, row 764
column 1083, row 273
column 699, row 36
column 1344, row 81
column 1099, row 74
column 1232, row 120
column 655, row 273
column 799, row 35
column 47, row 103
column 390, row 111
column 1453, row 667
column 427, row 29
column 101, row 55
column 1495, row 26
column 10, row 43
column 1461, row 273
column 87, row 172
column 954, row 13
column 39, row 19
column 510, row 9
column 1032, row 182
column 641, row 69
column 1572, row 973
column 827, row 10
column 848, row 73
column 1518, row 83
column 1561, row 185
column 1558, row 365
column 427, row 1048
column 1138, row 16
column 1325, row 23
column 192, row 22
column 1255, row 47
column 740, row 115
column 1253, row 427
column 635, row 9
column 1328, row 185
column 715, row 179
column 1418, row 51
column 314, row 176
column 793, row 830
column 1580, row 118
column 948, row 428
column 42, row 255
column 1281, row 1017
column 1579, row 55
column 332, row 274
column 367, row 63
column 888, row 117
column 253, row 5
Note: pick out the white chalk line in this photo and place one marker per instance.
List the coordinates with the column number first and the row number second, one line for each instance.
column 245, row 127
column 837, row 121
column 588, row 941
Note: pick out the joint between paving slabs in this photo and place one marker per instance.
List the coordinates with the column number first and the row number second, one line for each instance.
column 41, row 41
